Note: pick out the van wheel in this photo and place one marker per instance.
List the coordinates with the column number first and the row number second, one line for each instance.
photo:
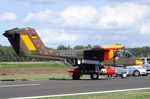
column 136, row 73
column 94, row 76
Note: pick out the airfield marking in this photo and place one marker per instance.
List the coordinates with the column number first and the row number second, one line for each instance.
column 87, row 93
column 19, row 85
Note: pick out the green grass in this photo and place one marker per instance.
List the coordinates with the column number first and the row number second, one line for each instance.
column 142, row 94
column 21, row 65
column 33, row 64
column 32, row 77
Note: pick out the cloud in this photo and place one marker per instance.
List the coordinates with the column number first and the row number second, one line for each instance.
column 107, row 24
column 145, row 29
column 41, row 1
column 117, row 37
column 139, row 43
column 125, row 15
column 53, row 36
column 45, row 2
column 139, row 1
column 122, row 15
column 79, row 16
column 42, row 17
column 8, row 16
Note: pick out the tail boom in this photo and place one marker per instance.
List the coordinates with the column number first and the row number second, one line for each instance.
column 26, row 42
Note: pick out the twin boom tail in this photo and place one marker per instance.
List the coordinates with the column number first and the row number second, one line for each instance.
column 26, row 42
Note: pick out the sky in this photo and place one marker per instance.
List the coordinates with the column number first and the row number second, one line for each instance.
column 80, row 22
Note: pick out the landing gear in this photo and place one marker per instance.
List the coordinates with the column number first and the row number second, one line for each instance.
column 75, row 76
column 94, row 76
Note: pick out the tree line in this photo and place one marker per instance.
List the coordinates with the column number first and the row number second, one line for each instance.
column 8, row 54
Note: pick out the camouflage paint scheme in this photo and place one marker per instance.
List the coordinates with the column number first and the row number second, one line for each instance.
column 93, row 62
column 26, row 42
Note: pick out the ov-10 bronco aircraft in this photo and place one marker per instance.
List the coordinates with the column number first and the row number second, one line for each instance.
column 26, row 41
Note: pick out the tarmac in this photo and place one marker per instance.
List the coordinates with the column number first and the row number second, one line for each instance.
column 18, row 89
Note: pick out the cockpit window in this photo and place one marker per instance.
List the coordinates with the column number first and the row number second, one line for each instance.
column 125, row 53
column 128, row 54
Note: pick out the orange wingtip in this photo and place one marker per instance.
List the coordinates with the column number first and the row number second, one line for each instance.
column 114, row 47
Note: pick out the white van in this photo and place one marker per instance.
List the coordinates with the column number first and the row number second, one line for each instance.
column 130, row 70
column 137, row 71
column 146, row 64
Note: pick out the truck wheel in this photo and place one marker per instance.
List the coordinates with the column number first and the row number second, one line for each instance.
column 136, row 73
column 94, row 76
column 75, row 76
column 124, row 75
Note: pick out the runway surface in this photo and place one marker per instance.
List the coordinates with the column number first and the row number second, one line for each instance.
column 56, row 87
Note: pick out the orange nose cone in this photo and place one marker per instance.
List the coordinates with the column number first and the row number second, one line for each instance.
column 138, row 62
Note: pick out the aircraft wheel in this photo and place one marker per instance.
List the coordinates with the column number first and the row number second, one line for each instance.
column 75, row 76
column 124, row 75
column 136, row 73
column 94, row 76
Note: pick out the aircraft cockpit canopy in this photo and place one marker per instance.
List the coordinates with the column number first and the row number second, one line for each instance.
column 124, row 53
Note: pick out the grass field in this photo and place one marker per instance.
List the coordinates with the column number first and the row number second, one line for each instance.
column 33, row 77
column 32, row 64
column 33, row 70
column 142, row 94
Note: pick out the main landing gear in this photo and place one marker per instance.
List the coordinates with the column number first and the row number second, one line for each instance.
column 93, row 72
column 93, row 76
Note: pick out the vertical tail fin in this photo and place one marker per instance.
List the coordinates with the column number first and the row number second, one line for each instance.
column 25, row 41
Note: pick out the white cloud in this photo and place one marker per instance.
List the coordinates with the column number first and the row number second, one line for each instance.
column 145, row 29
column 51, row 1
column 51, row 36
column 8, row 16
column 140, row 1
column 39, row 1
column 138, row 44
column 46, row 16
column 113, row 24
column 123, row 15
column 79, row 16
column 117, row 37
